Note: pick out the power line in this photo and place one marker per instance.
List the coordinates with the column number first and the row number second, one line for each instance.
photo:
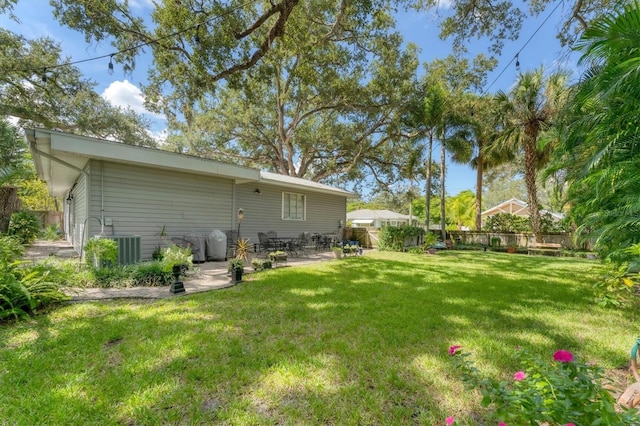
column 517, row 55
column 135, row 47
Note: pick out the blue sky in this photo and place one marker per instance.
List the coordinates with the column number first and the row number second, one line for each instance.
column 419, row 28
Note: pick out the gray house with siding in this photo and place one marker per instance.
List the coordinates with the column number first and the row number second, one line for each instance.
column 122, row 190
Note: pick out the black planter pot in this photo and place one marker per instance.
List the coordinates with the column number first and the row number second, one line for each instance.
column 237, row 274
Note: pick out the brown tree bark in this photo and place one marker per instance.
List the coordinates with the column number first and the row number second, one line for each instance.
column 530, row 167
column 9, row 203
column 479, row 172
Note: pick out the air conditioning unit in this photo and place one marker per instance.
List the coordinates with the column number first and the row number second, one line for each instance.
column 129, row 249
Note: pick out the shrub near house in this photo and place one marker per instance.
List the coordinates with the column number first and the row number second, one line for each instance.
column 24, row 289
column 396, row 238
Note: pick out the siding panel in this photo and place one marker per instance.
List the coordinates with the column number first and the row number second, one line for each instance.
column 141, row 200
column 264, row 212
column 78, row 211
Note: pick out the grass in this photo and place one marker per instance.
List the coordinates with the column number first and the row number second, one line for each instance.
column 358, row 341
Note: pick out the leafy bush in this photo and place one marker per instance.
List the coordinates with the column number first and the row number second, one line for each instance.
column 615, row 286
column 392, row 238
column 24, row 288
column 100, row 252
column 150, row 274
column 10, row 249
column 113, row 277
column 25, row 226
column 51, row 233
column 511, row 223
column 561, row 391
column 507, row 223
column 175, row 255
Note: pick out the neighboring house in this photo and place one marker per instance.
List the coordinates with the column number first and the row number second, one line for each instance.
column 518, row 208
column 124, row 190
column 366, row 218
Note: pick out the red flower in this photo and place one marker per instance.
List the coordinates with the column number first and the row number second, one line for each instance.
column 563, row 356
column 453, row 349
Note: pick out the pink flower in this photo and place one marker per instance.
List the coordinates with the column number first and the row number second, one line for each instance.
column 570, row 424
column 453, row 349
column 502, row 424
column 520, row 375
column 563, row 356
column 450, row 419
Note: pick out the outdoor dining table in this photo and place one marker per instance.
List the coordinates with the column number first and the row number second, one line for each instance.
column 325, row 240
column 282, row 243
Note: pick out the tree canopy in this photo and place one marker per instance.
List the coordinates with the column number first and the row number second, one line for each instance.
column 41, row 91
column 600, row 151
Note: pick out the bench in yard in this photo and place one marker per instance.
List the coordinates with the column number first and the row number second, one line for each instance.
column 545, row 248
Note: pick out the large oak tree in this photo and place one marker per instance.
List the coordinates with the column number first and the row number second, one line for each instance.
column 38, row 89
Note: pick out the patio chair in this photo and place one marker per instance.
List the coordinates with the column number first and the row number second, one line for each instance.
column 299, row 245
column 232, row 241
column 323, row 241
column 267, row 244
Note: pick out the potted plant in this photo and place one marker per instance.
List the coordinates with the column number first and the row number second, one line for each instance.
column 236, row 267
column 242, row 249
column 278, row 256
column 261, row 264
column 349, row 249
column 512, row 248
column 337, row 252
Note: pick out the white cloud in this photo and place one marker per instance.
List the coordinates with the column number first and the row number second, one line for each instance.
column 159, row 136
column 141, row 4
column 126, row 95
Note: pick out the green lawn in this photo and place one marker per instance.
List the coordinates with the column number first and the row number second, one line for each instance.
column 358, row 341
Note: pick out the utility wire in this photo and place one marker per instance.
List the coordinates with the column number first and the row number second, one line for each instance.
column 515, row 57
column 137, row 46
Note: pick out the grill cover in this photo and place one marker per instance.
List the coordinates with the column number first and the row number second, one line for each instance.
column 216, row 243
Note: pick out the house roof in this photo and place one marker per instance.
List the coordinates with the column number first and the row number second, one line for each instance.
column 61, row 157
column 517, row 207
column 371, row 215
column 513, row 206
column 290, row 181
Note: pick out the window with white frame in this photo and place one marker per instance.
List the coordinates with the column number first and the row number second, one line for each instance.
column 293, row 206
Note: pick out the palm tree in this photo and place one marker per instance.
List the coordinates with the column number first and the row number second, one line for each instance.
column 531, row 107
column 460, row 208
column 433, row 113
column 460, row 151
column 410, row 170
column 601, row 153
column 478, row 133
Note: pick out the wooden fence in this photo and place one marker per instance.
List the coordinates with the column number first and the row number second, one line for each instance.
column 369, row 237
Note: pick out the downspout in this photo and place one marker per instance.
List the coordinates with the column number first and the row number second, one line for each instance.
column 101, row 197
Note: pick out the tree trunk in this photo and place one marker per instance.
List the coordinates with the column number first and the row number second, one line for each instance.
column 427, row 197
column 9, row 203
column 530, row 167
column 443, row 159
column 479, row 172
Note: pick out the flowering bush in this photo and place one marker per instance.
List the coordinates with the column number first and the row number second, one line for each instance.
column 559, row 392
